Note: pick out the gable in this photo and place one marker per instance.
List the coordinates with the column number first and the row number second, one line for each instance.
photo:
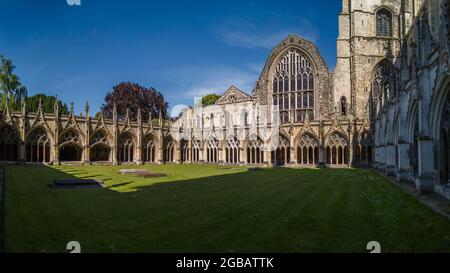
column 233, row 95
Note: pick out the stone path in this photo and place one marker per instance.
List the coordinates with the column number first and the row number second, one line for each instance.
column 434, row 201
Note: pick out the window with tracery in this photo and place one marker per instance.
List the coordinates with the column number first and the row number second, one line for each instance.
column 255, row 152
column 282, row 154
column 38, row 146
column 9, row 143
column 184, row 150
column 169, row 151
column 212, row 151
column 293, row 87
column 308, row 150
column 383, row 86
column 126, row 148
column 384, row 23
column 337, row 150
column 149, row 149
column 232, row 152
column 195, row 153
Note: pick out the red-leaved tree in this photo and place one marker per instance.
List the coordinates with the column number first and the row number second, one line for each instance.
column 132, row 96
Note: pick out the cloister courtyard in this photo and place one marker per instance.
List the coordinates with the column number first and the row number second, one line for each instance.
column 212, row 208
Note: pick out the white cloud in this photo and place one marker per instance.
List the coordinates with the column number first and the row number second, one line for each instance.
column 265, row 34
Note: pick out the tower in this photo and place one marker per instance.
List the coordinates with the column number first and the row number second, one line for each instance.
column 370, row 35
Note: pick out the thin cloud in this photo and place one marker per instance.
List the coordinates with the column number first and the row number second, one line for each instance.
column 200, row 81
column 265, row 34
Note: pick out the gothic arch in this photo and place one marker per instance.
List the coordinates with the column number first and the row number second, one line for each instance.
column 384, row 17
column 100, row 147
column 126, row 147
column 255, row 149
column 149, row 148
column 37, row 145
column 383, row 85
column 9, row 143
column 169, row 149
column 70, row 145
column 337, row 149
column 307, row 149
column 263, row 89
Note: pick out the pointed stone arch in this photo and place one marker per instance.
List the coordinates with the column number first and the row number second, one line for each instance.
column 38, row 145
column 307, row 149
column 150, row 145
column 336, row 149
column 70, row 145
column 100, row 146
column 9, row 143
column 126, row 147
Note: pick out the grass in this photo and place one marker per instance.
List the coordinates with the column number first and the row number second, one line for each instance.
column 199, row 208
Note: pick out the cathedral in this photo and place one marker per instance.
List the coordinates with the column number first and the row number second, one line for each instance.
column 386, row 105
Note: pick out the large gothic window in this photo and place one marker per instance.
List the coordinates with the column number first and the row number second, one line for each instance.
column 444, row 147
column 383, row 86
column 293, row 87
column 384, row 23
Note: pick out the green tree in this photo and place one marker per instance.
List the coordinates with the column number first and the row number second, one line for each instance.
column 10, row 85
column 210, row 99
column 48, row 104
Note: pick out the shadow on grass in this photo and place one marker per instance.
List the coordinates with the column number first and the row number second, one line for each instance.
column 272, row 210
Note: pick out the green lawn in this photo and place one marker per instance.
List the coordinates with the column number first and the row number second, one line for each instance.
column 200, row 208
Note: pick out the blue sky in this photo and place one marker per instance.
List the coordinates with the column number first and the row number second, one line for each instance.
column 182, row 48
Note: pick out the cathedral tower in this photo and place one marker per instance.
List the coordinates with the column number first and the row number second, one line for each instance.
column 370, row 34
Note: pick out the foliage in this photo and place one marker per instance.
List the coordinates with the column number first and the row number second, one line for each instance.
column 48, row 103
column 132, row 96
column 210, row 99
column 10, row 85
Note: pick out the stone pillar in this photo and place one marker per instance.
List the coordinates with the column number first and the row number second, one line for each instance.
column 222, row 156
column 293, row 160
column 403, row 163
column 425, row 179
column 390, row 160
column 177, row 158
column 382, row 157
column 268, row 157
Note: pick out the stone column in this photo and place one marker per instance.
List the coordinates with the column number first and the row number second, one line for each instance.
column 403, row 162
column 382, row 158
column 390, row 160
column 425, row 179
column 177, row 158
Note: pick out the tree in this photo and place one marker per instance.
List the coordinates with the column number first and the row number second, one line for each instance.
column 48, row 104
column 210, row 99
column 132, row 96
column 10, row 84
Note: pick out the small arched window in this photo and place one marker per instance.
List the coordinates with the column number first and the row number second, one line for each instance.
column 343, row 106
column 384, row 23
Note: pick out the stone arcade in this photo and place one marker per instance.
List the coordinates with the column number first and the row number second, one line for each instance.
column 386, row 105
